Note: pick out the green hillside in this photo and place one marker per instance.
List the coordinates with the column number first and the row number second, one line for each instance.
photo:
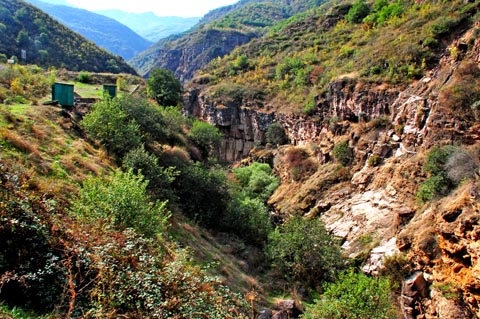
column 392, row 43
column 217, row 34
column 327, row 166
column 48, row 43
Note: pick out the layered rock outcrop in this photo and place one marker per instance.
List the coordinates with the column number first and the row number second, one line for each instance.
column 374, row 208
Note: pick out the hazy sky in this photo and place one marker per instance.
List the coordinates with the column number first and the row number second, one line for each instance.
column 180, row 8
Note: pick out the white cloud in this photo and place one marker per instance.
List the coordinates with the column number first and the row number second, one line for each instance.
column 181, row 8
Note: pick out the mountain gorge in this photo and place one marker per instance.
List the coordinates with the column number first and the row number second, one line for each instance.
column 216, row 35
column 322, row 160
column 381, row 94
column 105, row 32
column 48, row 43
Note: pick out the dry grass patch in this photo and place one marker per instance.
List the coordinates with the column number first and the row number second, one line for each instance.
column 19, row 142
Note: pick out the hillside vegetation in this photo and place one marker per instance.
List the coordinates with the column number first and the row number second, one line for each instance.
column 331, row 171
column 104, row 32
column 49, row 43
column 84, row 225
column 216, row 35
column 292, row 66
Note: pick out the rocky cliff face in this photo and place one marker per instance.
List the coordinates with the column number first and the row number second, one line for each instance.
column 243, row 126
column 376, row 200
column 196, row 50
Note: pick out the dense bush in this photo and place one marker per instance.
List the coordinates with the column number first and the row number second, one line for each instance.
column 249, row 219
column 109, row 123
column 84, row 77
column 137, row 277
column 248, row 215
column 303, row 250
column 55, row 264
column 32, row 275
column 20, row 83
column 275, row 134
column 356, row 296
column 163, row 87
column 159, row 178
column 206, row 136
column 203, row 193
column 382, row 11
column 256, row 180
column 148, row 117
column 120, row 201
column 342, row 153
column 357, row 12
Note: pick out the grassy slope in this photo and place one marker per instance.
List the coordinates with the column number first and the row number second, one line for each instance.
column 38, row 142
column 298, row 58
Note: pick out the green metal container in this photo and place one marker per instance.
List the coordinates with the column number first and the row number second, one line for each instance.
column 63, row 93
column 110, row 89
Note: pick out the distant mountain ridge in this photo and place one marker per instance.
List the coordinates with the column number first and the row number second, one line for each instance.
column 105, row 32
column 47, row 42
column 149, row 25
column 216, row 35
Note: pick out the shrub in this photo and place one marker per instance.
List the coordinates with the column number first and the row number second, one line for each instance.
column 374, row 160
column 249, row 219
column 303, row 250
column 355, row 296
column 31, row 272
column 256, row 180
column 342, row 153
column 84, row 77
column 148, row 117
column 436, row 159
column 248, row 215
column 121, row 201
column 160, row 179
column 275, row 134
column 203, row 194
column 122, row 84
column 357, row 12
column 109, row 123
column 438, row 182
column 136, row 280
column 163, row 87
column 206, row 136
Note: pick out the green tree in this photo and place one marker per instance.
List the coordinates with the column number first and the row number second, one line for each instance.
column 203, row 193
column 248, row 216
column 163, row 87
column 147, row 115
column 354, row 296
column 303, row 250
column 121, row 201
column 22, row 39
column 206, row 136
column 357, row 12
column 110, row 125
column 249, row 219
column 146, row 164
